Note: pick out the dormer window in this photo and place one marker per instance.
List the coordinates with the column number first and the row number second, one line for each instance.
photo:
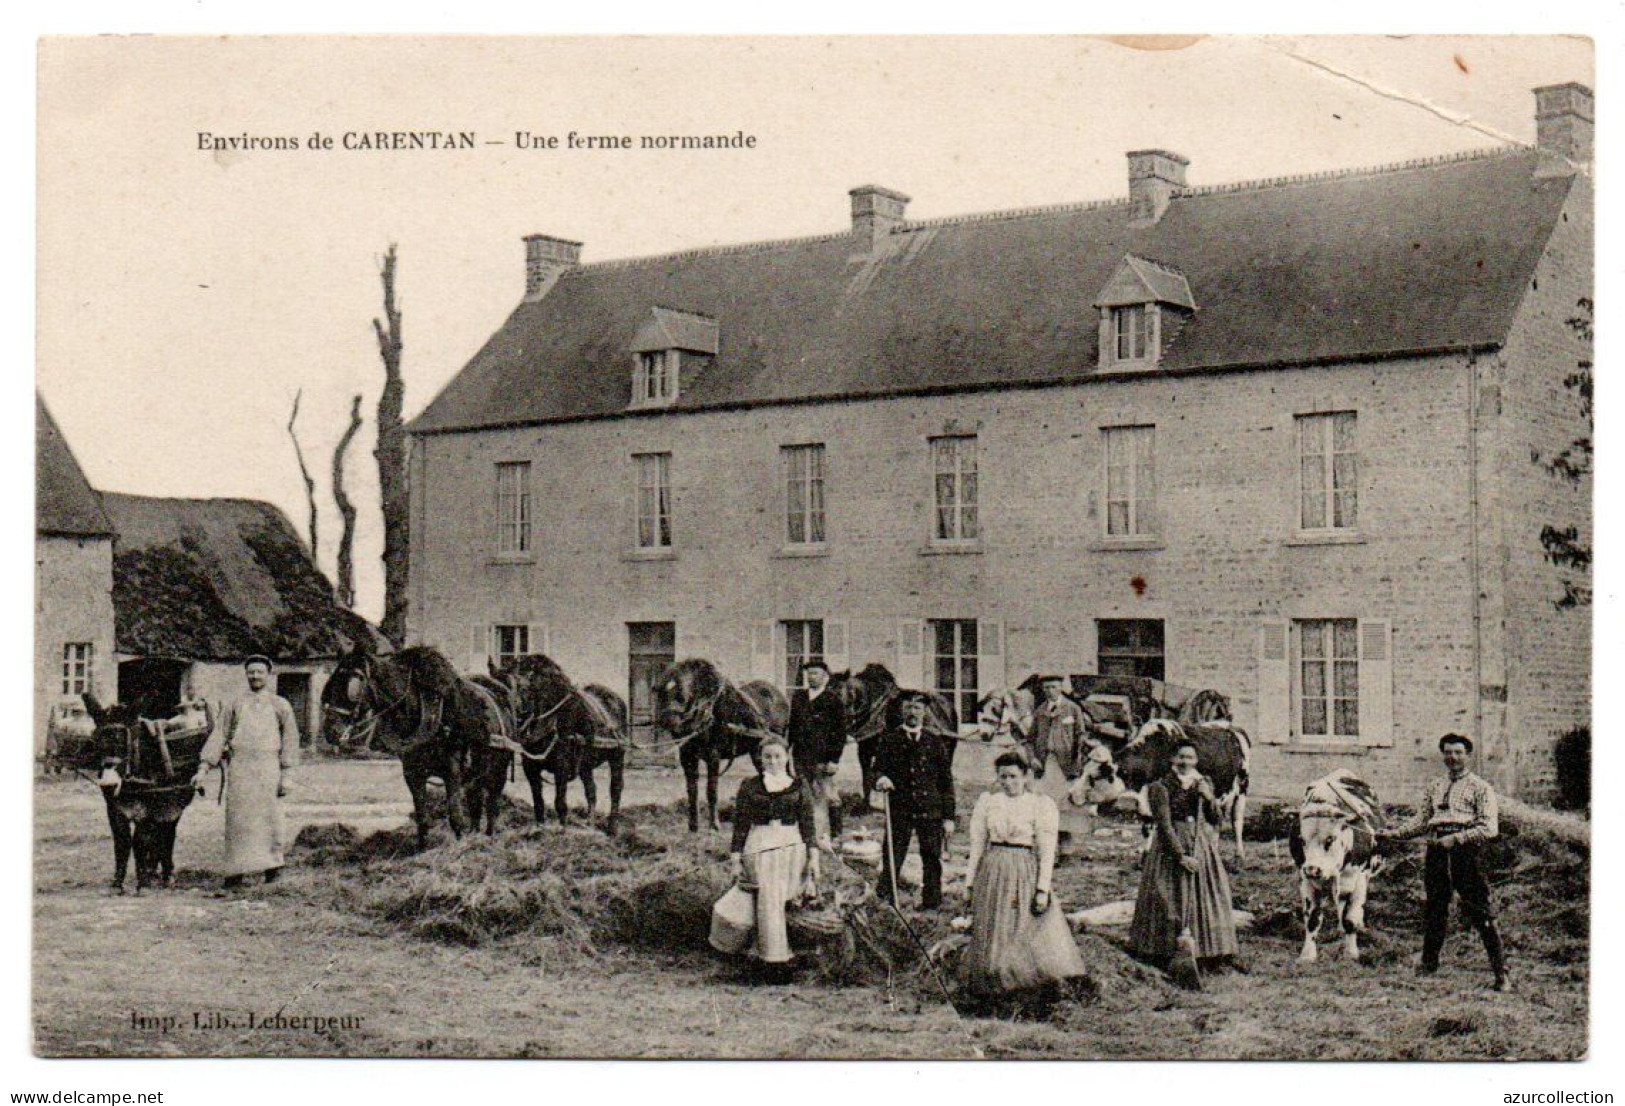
column 656, row 379
column 1131, row 327
column 1142, row 308
column 671, row 348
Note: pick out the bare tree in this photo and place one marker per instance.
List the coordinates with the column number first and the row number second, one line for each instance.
column 310, row 485
column 346, row 566
column 391, row 456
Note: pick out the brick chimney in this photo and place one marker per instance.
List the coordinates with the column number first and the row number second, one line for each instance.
column 1563, row 124
column 1154, row 176
column 546, row 258
column 875, row 212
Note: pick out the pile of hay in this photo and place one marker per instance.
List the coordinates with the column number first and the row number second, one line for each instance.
column 650, row 886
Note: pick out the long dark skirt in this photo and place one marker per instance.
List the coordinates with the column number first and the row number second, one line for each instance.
column 1172, row 899
column 1010, row 950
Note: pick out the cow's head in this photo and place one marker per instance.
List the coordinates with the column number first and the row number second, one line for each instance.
column 1007, row 713
column 1329, row 842
column 1101, row 782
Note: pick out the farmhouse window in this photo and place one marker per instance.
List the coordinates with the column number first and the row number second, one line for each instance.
column 77, row 657
column 1131, row 647
column 1131, row 481
column 513, row 507
column 804, row 494
column 653, row 500
column 955, row 673
column 953, row 463
column 1131, row 332
column 655, row 380
column 1327, row 685
column 1328, row 472
column 803, row 642
column 510, row 643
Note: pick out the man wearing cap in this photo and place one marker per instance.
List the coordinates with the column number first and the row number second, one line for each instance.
column 1459, row 814
column 1060, row 742
column 817, row 738
column 915, row 771
column 256, row 745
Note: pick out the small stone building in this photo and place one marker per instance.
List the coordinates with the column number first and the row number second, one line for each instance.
column 73, row 580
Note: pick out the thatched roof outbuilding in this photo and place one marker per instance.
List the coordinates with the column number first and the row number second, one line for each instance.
column 219, row 579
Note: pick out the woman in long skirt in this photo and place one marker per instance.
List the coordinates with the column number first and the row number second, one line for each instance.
column 1184, row 891
column 1019, row 938
column 773, row 832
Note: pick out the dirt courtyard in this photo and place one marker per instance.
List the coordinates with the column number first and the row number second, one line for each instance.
column 284, row 971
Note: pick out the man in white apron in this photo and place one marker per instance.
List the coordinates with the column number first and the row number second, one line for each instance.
column 256, row 745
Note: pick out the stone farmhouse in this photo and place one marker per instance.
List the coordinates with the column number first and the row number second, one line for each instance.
column 1282, row 438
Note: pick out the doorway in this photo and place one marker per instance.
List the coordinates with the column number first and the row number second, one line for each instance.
column 651, row 649
column 295, row 688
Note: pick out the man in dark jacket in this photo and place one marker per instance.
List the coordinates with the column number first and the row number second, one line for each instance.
column 817, row 740
column 914, row 764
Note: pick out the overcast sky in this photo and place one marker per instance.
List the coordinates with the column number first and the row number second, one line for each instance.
column 184, row 296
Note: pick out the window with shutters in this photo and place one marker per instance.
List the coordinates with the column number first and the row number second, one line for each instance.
column 513, row 507
column 1131, row 481
column 1326, row 679
column 803, row 642
column 653, row 500
column 1328, row 473
column 954, row 469
column 77, row 658
column 955, row 672
column 509, row 643
column 804, row 494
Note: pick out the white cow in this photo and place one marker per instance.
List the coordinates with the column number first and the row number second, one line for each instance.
column 1334, row 846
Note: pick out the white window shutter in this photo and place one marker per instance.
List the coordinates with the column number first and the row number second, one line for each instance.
column 763, row 652
column 538, row 641
column 1274, row 684
column 911, row 654
column 1376, row 682
column 479, row 649
column 990, row 670
column 835, row 645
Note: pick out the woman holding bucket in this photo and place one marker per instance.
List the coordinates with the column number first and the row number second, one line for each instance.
column 773, row 862
column 1183, row 912
column 1019, row 938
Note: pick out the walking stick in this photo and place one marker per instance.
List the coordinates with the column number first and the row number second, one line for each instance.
column 890, row 860
column 891, row 854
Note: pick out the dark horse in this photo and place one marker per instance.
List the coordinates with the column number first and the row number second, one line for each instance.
column 567, row 732
column 713, row 720
column 145, row 776
column 872, row 699
column 414, row 704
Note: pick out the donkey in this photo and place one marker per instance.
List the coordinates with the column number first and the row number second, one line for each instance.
column 145, row 776
column 712, row 719
column 413, row 704
column 566, row 732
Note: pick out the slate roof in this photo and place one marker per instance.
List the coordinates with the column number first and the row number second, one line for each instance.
column 64, row 502
column 1365, row 264
column 219, row 579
